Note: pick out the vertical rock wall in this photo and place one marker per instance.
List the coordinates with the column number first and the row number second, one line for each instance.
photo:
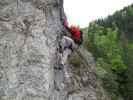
column 28, row 54
column 28, row 30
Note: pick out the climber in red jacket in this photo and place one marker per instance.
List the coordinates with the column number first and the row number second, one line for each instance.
column 76, row 33
column 67, row 44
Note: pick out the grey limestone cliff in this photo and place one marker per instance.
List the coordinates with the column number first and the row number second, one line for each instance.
column 28, row 54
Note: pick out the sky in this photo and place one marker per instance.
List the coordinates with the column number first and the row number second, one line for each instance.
column 81, row 12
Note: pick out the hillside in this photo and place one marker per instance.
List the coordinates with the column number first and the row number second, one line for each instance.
column 123, row 20
column 111, row 42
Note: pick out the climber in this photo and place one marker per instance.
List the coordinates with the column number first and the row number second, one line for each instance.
column 68, row 44
column 66, row 47
column 76, row 33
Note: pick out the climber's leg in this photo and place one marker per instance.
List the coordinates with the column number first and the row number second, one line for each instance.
column 66, row 53
column 59, row 65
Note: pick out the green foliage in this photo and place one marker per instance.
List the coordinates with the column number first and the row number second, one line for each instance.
column 108, row 79
column 106, row 47
column 128, row 86
column 118, row 64
column 111, row 42
column 104, row 43
column 123, row 19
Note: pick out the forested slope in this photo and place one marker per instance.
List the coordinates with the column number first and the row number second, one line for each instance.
column 123, row 19
column 111, row 42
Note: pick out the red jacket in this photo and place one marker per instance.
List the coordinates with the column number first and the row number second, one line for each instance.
column 75, row 32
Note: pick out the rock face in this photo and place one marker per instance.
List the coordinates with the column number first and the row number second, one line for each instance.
column 28, row 54
column 28, row 30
